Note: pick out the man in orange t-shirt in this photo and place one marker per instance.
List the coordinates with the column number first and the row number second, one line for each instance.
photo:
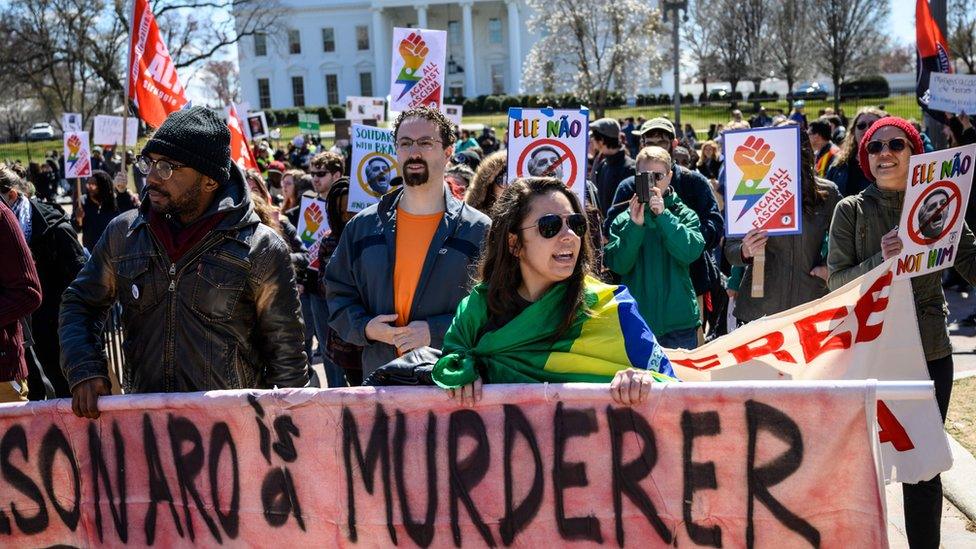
column 403, row 265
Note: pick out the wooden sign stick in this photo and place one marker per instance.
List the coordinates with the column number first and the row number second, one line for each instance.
column 759, row 273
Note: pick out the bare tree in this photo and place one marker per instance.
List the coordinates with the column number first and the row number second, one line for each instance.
column 221, row 78
column 700, row 39
column 847, row 37
column 196, row 30
column 896, row 58
column 585, row 44
column 790, row 42
column 755, row 38
column 962, row 32
column 731, row 42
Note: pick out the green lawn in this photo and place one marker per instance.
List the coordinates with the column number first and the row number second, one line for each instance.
column 700, row 117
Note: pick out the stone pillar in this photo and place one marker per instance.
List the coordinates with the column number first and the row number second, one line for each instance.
column 380, row 44
column 514, row 46
column 421, row 15
column 467, row 35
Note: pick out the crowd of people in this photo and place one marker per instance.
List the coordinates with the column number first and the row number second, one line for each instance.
column 457, row 277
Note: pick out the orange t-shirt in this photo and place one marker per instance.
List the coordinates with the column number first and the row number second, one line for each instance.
column 413, row 236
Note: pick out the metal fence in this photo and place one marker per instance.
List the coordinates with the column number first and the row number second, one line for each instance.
column 112, row 337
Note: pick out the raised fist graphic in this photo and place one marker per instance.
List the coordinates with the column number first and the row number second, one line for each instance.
column 754, row 158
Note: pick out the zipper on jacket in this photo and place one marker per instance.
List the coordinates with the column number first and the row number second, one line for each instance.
column 172, row 273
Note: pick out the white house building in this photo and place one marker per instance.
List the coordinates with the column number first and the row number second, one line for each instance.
column 326, row 50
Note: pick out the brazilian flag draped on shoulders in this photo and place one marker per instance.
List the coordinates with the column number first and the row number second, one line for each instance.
column 609, row 337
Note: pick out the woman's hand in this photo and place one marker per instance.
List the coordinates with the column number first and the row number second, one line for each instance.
column 820, row 271
column 753, row 243
column 636, row 211
column 891, row 244
column 631, row 386
column 467, row 395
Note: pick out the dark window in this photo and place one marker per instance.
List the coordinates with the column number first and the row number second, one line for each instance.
column 298, row 91
column 328, row 39
column 494, row 31
column 260, row 45
column 264, row 93
column 294, row 42
column 362, row 38
column 331, row 89
column 366, row 84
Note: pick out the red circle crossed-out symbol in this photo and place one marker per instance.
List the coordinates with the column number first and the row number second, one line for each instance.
column 567, row 154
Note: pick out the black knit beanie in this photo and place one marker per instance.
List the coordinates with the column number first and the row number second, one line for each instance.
column 197, row 137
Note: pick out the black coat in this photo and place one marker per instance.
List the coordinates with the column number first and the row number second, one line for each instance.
column 610, row 171
column 58, row 256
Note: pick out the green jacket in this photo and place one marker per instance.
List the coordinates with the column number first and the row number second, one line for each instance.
column 855, row 248
column 652, row 261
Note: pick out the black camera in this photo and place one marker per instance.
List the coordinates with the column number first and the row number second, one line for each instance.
column 642, row 184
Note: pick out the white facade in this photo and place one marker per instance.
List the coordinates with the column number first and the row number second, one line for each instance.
column 329, row 49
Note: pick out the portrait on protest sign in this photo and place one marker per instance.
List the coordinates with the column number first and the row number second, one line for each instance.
column 373, row 165
column 453, row 113
column 77, row 155
column 548, row 142
column 359, row 109
column 715, row 465
column 107, row 130
column 418, row 67
column 934, row 211
column 257, row 123
column 762, row 180
column 312, row 226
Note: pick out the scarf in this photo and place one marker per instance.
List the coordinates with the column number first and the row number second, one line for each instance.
column 177, row 241
column 607, row 337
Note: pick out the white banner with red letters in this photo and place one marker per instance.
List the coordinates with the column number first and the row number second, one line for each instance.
column 865, row 330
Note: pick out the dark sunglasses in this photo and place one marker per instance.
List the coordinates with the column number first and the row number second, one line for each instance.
column 551, row 224
column 657, row 176
column 897, row 144
column 318, row 174
column 864, row 125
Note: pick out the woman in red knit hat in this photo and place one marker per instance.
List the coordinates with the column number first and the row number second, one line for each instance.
column 863, row 234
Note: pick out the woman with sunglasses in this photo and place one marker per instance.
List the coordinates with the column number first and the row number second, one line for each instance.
column 864, row 234
column 537, row 316
column 846, row 171
column 651, row 247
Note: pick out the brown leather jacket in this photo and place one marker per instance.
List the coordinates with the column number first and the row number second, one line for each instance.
column 225, row 316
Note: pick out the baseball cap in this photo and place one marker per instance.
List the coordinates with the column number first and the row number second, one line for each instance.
column 659, row 123
column 607, row 127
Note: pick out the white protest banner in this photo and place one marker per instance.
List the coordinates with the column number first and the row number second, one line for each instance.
column 418, row 67
column 864, row 330
column 936, row 196
column 952, row 93
column 373, row 165
column 548, row 142
column 453, row 113
column 257, row 125
column 107, row 130
column 312, row 226
column 545, row 465
column 365, row 108
column 762, row 180
column 77, row 155
column 71, row 122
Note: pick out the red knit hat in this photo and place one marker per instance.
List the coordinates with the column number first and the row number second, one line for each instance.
column 914, row 140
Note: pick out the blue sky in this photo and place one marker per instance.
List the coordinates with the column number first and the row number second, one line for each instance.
column 903, row 21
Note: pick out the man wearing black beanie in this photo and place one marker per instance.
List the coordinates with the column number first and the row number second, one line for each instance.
column 208, row 293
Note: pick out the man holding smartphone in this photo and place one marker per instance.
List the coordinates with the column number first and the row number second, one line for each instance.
column 651, row 246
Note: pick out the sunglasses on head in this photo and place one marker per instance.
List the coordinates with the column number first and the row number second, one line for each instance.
column 864, row 124
column 897, row 144
column 550, row 225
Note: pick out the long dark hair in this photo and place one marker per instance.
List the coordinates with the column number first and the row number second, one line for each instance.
column 105, row 190
column 813, row 194
column 499, row 267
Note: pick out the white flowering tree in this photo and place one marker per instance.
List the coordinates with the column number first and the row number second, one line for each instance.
column 593, row 48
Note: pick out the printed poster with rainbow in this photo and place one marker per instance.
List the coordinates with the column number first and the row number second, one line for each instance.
column 417, row 72
column 762, row 181
column 77, row 155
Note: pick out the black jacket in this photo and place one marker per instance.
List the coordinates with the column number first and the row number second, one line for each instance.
column 225, row 316
column 610, row 171
column 695, row 192
column 359, row 277
column 58, row 256
column 848, row 177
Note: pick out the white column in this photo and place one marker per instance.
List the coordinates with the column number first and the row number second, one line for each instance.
column 514, row 46
column 467, row 35
column 380, row 45
column 421, row 15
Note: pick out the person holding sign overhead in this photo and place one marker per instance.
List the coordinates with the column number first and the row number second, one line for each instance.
column 402, row 265
column 864, row 234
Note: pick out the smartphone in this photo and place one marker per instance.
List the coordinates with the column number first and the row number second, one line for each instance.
column 642, row 184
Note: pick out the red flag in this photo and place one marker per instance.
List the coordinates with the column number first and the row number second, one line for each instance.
column 933, row 53
column 239, row 151
column 152, row 82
